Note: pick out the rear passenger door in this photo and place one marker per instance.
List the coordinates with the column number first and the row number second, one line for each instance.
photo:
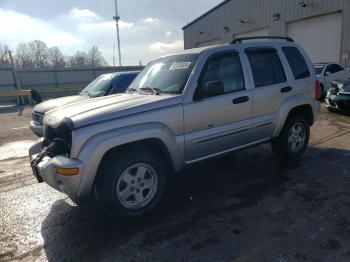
column 270, row 89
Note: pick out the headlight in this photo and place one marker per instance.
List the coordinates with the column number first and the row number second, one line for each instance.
column 37, row 117
column 340, row 87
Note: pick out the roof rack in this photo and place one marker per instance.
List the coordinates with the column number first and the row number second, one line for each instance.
column 239, row 40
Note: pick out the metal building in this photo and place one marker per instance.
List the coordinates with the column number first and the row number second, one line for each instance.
column 322, row 27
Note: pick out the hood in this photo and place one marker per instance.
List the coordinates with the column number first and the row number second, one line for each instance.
column 346, row 86
column 106, row 108
column 58, row 102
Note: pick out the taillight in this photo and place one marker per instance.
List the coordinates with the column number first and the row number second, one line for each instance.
column 318, row 90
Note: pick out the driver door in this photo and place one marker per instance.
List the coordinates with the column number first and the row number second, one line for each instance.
column 216, row 124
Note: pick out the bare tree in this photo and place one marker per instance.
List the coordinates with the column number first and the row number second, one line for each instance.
column 39, row 53
column 56, row 58
column 36, row 54
column 4, row 59
column 23, row 57
column 80, row 59
column 95, row 57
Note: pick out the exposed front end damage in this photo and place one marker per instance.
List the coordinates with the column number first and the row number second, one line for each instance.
column 50, row 159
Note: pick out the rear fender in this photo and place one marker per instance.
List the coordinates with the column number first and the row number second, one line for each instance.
column 288, row 105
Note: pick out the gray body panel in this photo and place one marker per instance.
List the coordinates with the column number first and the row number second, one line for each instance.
column 190, row 130
column 56, row 103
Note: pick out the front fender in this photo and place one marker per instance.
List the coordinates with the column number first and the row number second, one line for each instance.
column 293, row 102
column 95, row 148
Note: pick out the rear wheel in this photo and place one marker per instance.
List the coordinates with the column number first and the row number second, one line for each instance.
column 131, row 183
column 294, row 138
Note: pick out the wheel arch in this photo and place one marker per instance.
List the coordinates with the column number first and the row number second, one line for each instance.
column 301, row 105
column 155, row 135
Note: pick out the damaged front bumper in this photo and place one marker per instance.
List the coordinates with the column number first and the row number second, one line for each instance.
column 51, row 169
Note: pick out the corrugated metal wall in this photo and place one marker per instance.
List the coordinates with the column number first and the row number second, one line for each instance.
column 259, row 13
column 54, row 78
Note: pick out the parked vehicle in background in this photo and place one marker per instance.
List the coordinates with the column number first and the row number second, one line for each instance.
column 338, row 96
column 328, row 72
column 106, row 84
column 181, row 109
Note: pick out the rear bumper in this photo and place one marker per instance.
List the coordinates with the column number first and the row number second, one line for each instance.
column 46, row 170
column 37, row 129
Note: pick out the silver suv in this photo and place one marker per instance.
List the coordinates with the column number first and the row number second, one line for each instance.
column 180, row 109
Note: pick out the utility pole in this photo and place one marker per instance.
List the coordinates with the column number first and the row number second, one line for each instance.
column 20, row 100
column 117, row 18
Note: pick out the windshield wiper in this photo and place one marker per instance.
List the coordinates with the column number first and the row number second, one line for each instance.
column 154, row 90
column 131, row 90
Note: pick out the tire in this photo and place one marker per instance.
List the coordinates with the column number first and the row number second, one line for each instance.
column 134, row 170
column 330, row 109
column 283, row 147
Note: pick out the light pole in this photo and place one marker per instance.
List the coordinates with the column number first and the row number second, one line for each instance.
column 116, row 18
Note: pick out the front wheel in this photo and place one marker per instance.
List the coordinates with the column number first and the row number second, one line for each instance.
column 131, row 182
column 294, row 138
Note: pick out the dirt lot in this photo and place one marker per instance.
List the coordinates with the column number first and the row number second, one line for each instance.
column 246, row 206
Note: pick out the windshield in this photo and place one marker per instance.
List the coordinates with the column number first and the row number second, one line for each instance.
column 319, row 69
column 98, row 87
column 165, row 75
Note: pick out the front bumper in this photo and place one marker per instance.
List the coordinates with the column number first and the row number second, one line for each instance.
column 36, row 128
column 338, row 102
column 46, row 171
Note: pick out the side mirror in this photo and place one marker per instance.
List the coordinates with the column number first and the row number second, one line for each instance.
column 213, row 88
column 327, row 73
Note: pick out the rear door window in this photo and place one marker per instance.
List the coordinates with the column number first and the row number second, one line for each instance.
column 266, row 66
column 296, row 62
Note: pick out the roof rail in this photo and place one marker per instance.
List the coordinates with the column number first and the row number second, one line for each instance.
column 239, row 40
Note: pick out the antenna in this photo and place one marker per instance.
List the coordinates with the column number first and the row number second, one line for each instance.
column 117, row 18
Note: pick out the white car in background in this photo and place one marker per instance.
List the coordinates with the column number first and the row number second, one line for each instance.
column 328, row 72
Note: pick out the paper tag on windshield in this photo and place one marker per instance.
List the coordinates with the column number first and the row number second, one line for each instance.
column 179, row 65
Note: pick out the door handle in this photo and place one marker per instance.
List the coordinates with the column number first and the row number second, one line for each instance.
column 286, row 89
column 240, row 100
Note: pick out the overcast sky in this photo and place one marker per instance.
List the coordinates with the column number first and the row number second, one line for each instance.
column 149, row 28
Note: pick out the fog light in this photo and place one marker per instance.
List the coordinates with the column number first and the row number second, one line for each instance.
column 71, row 171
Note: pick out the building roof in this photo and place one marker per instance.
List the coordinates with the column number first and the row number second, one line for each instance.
column 206, row 13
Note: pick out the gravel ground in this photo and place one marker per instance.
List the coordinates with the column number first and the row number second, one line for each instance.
column 247, row 206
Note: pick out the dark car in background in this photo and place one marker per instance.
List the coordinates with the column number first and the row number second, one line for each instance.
column 106, row 84
column 328, row 72
column 338, row 96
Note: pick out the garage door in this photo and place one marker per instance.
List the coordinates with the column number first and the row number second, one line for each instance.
column 320, row 36
column 215, row 41
column 260, row 32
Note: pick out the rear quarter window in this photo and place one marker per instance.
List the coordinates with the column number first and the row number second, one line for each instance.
column 296, row 62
